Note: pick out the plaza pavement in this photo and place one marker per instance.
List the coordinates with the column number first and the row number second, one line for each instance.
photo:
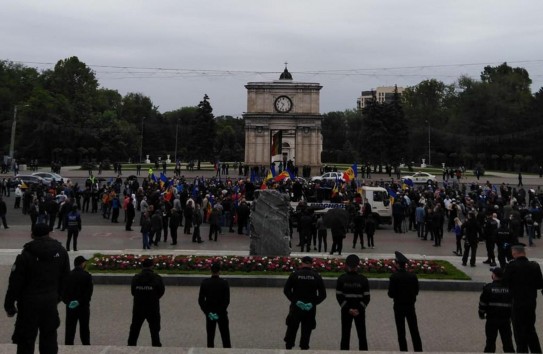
column 447, row 319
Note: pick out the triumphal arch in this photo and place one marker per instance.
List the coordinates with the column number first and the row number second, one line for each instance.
column 283, row 123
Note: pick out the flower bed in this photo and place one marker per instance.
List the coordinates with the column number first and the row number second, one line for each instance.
column 261, row 265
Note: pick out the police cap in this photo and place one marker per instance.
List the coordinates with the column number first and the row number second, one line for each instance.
column 307, row 260
column 352, row 261
column 79, row 260
column 400, row 258
column 147, row 263
column 497, row 272
column 215, row 267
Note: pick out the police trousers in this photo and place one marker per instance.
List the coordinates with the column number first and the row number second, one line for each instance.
column 346, row 325
column 296, row 317
column 224, row 329
column 401, row 314
column 80, row 314
column 503, row 326
column 153, row 318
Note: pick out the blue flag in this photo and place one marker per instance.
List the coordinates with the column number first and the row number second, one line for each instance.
column 153, row 177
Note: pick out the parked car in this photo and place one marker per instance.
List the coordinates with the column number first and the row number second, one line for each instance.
column 329, row 176
column 49, row 176
column 420, row 177
column 31, row 181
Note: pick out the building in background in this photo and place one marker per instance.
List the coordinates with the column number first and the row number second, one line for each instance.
column 283, row 123
column 382, row 94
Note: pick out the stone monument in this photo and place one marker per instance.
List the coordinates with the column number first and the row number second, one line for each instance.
column 270, row 233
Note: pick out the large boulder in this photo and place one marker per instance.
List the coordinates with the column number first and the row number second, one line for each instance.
column 270, row 235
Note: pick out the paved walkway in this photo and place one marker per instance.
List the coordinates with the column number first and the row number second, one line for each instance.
column 448, row 320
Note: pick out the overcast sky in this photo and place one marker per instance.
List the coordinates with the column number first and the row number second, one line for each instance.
column 176, row 51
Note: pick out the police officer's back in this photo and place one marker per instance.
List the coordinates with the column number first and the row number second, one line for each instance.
column 495, row 306
column 35, row 284
column 147, row 289
column 305, row 290
column 403, row 288
column 214, row 298
column 77, row 295
column 353, row 296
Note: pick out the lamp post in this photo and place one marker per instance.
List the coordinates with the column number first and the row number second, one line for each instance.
column 141, row 140
column 13, row 129
column 429, row 144
column 176, row 131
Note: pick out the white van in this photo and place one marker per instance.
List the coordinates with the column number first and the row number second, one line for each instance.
column 377, row 197
column 379, row 200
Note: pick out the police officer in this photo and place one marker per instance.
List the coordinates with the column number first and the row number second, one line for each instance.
column 77, row 296
column 305, row 290
column 147, row 289
column 73, row 224
column 36, row 278
column 495, row 306
column 403, row 287
column 523, row 277
column 214, row 299
column 353, row 295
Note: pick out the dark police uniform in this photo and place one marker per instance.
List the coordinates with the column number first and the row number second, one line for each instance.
column 307, row 286
column 147, row 289
column 404, row 288
column 214, row 297
column 524, row 278
column 495, row 306
column 353, row 292
column 78, row 287
column 35, row 283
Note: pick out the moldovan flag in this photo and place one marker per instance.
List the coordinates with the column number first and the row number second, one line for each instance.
column 164, row 181
column 276, row 147
column 350, row 173
column 335, row 191
column 268, row 177
column 281, row 176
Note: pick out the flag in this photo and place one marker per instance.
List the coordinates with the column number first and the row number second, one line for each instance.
column 153, row 177
column 350, row 173
column 281, row 176
column 291, row 174
column 164, row 180
column 408, row 181
column 276, row 147
column 253, row 176
column 392, row 195
column 268, row 177
column 272, row 169
column 335, row 191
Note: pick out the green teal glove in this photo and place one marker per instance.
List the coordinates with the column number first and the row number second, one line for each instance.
column 213, row 316
column 303, row 306
column 73, row 304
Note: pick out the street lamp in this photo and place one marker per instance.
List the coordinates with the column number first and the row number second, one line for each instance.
column 176, row 131
column 13, row 129
column 141, row 140
column 429, row 144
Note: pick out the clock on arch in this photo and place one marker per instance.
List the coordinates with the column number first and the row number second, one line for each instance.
column 283, row 104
